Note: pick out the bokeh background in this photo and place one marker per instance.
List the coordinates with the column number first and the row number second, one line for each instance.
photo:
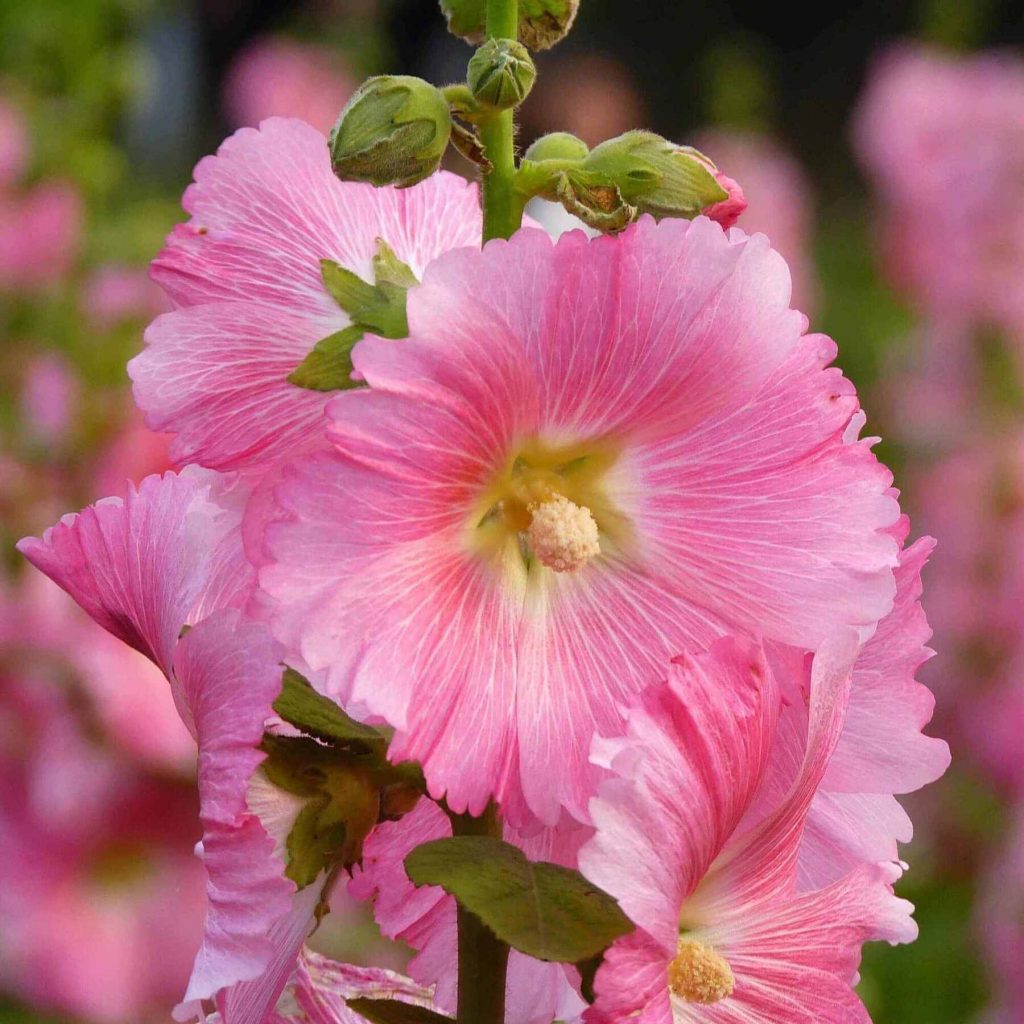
column 881, row 146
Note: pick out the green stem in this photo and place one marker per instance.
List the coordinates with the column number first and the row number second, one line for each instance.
column 503, row 205
column 483, row 958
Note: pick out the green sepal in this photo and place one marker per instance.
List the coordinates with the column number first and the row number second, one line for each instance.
column 377, row 308
column 328, row 366
column 657, row 176
column 391, row 1011
column 389, row 269
column 588, row 972
column 342, row 803
column 316, row 715
column 541, row 909
column 542, row 23
column 595, row 200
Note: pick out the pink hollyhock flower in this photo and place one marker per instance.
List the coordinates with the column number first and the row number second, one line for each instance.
column 245, row 275
column 778, row 200
column 507, row 540
column 100, row 897
column 728, row 211
column 49, row 399
column 167, row 556
column 425, row 918
column 277, row 77
column 320, row 989
column 933, row 126
column 14, row 145
column 113, row 294
column 723, row 932
column 1000, row 924
column 39, row 235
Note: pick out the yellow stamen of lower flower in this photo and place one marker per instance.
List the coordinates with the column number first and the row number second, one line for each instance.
column 700, row 975
column 562, row 535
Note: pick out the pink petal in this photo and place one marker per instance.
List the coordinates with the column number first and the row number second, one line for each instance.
column 698, row 746
column 229, row 671
column 147, row 565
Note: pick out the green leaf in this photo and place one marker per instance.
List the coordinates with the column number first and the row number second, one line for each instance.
column 541, row 909
column 316, row 715
column 379, row 308
column 391, row 1011
column 328, row 367
column 314, row 841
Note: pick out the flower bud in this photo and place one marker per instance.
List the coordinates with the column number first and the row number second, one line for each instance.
column 542, row 23
column 595, row 200
column 393, row 131
column 557, row 146
column 666, row 180
column 501, row 74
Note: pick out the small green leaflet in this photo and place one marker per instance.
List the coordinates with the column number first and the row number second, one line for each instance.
column 328, row 367
column 391, row 1011
column 541, row 909
column 316, row 715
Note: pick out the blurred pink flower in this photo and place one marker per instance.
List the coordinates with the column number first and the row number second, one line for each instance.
column 652, row 390
column 14, row 144
column 100, row 895
column 278, row 77
column 112, row 294
column 942, row 137
column 49, row 400
column 779, row 201
column 39, row 235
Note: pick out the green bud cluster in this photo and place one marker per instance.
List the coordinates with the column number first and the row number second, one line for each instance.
column 393, row 131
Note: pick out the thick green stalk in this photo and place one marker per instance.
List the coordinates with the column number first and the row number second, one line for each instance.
column 503, row 205
column 483, row 957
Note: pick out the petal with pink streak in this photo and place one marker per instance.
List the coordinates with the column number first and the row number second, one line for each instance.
column 749, row 512
column 698, row 746
column 229, row 673
column 161, row 558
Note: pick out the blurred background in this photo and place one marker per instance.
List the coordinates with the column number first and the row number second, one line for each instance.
column 881, row 147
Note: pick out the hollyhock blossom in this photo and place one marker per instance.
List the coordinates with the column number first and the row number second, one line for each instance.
column 942, row 137
column 778, row 200
column 276, row 77
column 425, row 918
column 100, row 897
column 244, row 275
column 49, row 398
column 166, row 556
column 1000, row 923
column 39, row 235
column 113, row 294
column 320, row 988
column 588, row 457
column 723, row 932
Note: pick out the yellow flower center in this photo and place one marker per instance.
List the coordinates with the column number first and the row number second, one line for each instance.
column 700, row 975
column 549, row 506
